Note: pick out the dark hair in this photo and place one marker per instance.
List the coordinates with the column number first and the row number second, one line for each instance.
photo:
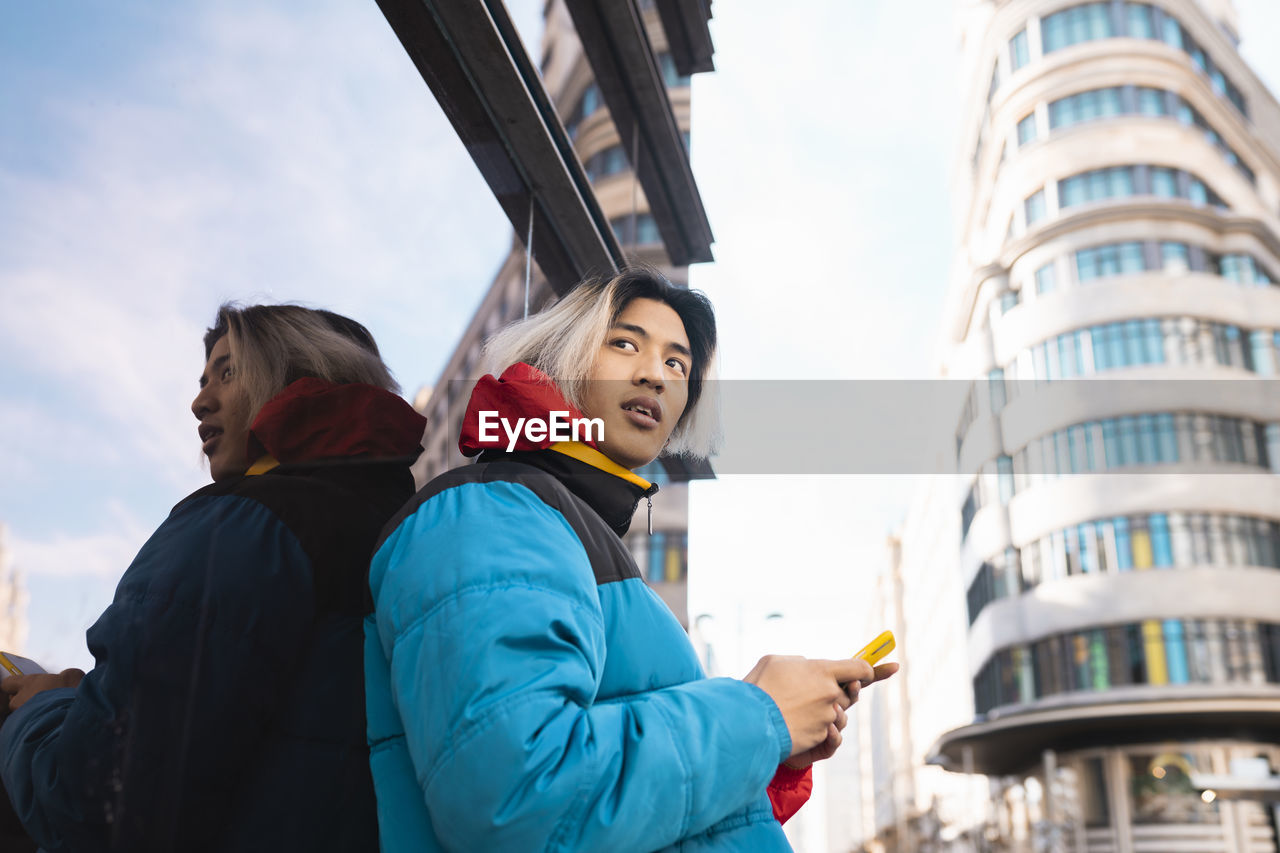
column 691, row 306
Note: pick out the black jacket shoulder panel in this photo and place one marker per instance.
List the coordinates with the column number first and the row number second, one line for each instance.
column 609, row 557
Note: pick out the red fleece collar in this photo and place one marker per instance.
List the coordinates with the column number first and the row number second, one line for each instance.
column 313, row 419
column 523, row 391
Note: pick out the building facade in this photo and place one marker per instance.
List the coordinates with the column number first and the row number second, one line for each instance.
column 519, row 286
column 1117, row 535
column 13, row 601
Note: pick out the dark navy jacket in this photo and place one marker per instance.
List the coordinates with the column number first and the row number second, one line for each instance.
column 225, row 711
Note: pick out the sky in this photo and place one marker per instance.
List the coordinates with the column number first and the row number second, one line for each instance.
column 156, row 161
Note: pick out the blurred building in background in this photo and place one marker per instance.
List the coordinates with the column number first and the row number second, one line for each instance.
column 648, row 233
column 13, row 601
column 1088, row 619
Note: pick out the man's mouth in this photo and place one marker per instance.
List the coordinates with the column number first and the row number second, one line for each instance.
column 209, row 437
column 647, row 410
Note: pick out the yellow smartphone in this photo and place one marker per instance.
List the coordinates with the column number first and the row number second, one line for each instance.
column 875, row 650
column 11, row 664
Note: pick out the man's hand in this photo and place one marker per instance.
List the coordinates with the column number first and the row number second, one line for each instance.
column 809, row 693
column 828, row 747
column 20, row 688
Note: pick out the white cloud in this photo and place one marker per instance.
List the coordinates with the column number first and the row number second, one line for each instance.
column 821, row 153
column 234, row 152
column 102, row 554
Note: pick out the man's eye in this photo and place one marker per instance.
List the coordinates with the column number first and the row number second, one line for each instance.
column 228, row 373
column 625, row 344
column 678, row 365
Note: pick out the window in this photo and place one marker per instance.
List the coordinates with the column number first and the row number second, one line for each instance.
column 610, row 161
column 1027, row 129
column 1045, row 279
column 1164, row 182
column 1036, row 209
column 1161, row 791
column 646, row 229
column 657, row 556
column 670, row 76
column 1114, row 259
column 1085, row 106
column 1242, row 269
column 995, row 388
column 1077, row 24
column 1096, row 185
column 1175, row 257
column 1019, row 54
column 1153, row 103
column 1264, row 352
column 1004, row 473
column 1141, row 22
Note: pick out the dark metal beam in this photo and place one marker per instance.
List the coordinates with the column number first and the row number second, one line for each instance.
column 617, row 47
column 472, row 59
column 688, row 37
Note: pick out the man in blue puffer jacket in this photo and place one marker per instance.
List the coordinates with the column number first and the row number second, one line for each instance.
column 526, row 689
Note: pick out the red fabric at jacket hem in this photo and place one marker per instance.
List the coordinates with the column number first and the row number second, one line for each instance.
column 789, row 790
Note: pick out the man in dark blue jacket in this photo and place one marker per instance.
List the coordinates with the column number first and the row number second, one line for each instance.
column 225, row 710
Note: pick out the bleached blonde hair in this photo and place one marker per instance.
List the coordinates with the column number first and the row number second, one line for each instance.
column 274, row 345
column 564, row 341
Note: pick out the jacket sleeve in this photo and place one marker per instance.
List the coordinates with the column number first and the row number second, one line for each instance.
column 488, row 612
column 789, row 790
column 144, row 754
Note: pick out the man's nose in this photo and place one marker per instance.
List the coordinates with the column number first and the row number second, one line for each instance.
column 649, row 372
column 204, row 403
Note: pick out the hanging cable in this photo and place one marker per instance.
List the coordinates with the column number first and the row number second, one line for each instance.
column 635, row 182
column 528, row 258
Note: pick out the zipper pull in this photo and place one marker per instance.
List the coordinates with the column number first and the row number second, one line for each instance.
column 650, row 500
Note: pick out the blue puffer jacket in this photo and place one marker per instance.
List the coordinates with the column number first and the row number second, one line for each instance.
column 224, row 712
column 527, row 691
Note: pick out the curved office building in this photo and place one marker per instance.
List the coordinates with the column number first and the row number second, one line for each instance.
column 1119, row 308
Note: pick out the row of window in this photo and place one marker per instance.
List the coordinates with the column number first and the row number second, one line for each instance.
column 1140, row 256
column 1127, row 543
column 667, row 560
column 1109, row 444
column 1097, row 104
column 609, row 161
column 591, row 100
column 1117, row 19
column 1152, row 652
column 1166, row 438
column 635, row 230
column 613, row 160
column 1136, row 256
column 1123, row 182
column 1153, row 340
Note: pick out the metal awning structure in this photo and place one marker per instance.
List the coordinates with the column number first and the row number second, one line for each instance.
column 617, row 47
column 688, row 37
column 472, row 59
